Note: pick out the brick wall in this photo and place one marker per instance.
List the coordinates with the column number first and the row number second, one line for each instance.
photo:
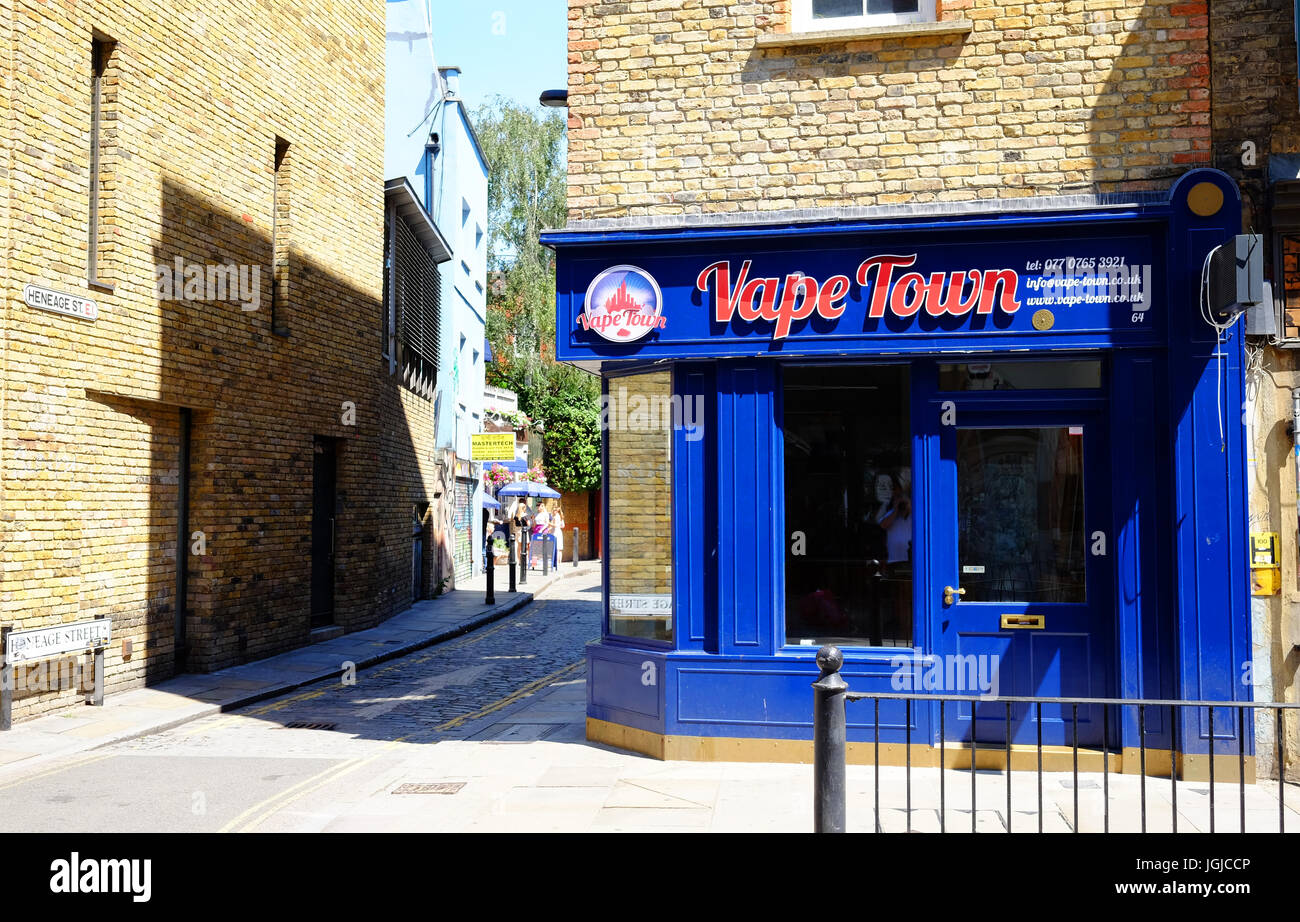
column 577, row 514
column 674, row 109
column 89, row 453
column 1254, row 79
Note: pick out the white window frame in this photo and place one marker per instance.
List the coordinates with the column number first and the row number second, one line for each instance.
column 802, row 18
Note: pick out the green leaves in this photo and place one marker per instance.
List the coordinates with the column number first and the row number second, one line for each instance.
column 525, row 150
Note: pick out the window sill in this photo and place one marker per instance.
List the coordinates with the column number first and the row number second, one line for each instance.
column 864, row 33
column 96, row 285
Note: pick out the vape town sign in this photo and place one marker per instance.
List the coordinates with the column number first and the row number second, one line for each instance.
column 903, row 294
column 624, row 303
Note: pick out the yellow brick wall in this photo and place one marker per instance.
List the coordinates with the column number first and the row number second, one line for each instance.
column 674, row 109
column 640, row 495
column 90, row 411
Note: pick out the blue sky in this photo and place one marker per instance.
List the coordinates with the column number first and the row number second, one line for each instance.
column 515, row 48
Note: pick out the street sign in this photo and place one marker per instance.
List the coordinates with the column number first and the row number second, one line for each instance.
column 492, row 446
column 25, row 646
column 59, row 303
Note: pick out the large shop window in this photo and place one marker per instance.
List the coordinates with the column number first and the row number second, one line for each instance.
column 848, row 506
column 640, row 506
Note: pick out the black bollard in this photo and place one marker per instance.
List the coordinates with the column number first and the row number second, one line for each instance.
column 829, row 742
column 510, row 555
column 491, row 597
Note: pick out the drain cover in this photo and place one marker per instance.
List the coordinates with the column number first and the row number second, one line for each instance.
column 437, row 787
column 308, row 725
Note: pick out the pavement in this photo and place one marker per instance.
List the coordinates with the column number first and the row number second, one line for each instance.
column 486, row 733
column 164, row 705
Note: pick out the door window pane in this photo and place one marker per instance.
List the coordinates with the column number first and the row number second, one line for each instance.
column 848, row 505
column 1020, row 514
column 1020, row 376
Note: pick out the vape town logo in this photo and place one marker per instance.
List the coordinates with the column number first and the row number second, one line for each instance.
column 623, row 304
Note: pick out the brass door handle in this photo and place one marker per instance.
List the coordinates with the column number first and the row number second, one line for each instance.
column 950, row 594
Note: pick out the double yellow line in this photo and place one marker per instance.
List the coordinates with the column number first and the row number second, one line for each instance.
column 75, row 763
column 257, row 814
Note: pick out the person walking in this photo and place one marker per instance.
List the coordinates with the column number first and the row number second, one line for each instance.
column 557, row 526
column 541, row 528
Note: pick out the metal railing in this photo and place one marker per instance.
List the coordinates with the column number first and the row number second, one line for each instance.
column 830, row 748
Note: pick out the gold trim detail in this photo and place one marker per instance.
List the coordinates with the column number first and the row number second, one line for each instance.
column 956, row 756
column 1205, row 199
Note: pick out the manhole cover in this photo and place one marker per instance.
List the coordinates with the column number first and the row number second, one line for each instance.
column 308, row 725
column 436, row 787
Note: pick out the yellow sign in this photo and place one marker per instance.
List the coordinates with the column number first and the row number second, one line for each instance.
column 1265, row 565
column 493, row 446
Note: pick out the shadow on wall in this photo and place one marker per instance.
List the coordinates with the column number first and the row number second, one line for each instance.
column 257, row 405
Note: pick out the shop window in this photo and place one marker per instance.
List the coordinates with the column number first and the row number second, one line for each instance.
column 1020, row 376
column 1020, row 514
column 819, row 15
column 1290, row 247
column 848, row 505
column 640, row 506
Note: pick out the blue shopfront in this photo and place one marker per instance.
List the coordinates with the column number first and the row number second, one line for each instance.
column 991, row 451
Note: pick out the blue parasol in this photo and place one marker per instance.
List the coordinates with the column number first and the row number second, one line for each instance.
column 528, row 488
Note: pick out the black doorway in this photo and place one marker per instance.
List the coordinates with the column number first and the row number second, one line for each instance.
column 324, row 486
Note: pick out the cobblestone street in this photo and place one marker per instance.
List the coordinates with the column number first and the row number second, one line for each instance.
column 238, row 770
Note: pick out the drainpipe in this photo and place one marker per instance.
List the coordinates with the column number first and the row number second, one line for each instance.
column 1295, row 437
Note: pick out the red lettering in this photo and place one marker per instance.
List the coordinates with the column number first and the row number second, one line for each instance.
column 884, row 266
column 898, row 302
column 724, row 295
column 952, row 302
column 788, row 312
column 745, row 304
column 1010, row 281
column 836, row 287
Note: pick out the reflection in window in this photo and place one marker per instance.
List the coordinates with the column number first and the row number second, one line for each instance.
column 1020, row 376
column 837, row 9
column 850, row 14
column 640, row 507
column 848, row 502
column 1020, row 514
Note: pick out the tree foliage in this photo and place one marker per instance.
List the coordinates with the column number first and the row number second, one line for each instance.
column 526, row 195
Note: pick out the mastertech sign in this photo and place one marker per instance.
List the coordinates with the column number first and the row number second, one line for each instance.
column 1001, row 435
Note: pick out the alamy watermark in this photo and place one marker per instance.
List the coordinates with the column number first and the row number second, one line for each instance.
column 640, row 413
column 182, row 281
column 1107, row 280
column 973, row 673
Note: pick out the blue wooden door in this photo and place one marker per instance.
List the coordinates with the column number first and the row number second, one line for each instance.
column 1021, row 581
